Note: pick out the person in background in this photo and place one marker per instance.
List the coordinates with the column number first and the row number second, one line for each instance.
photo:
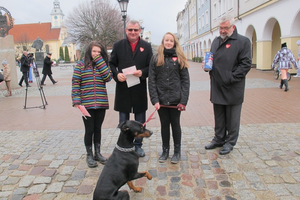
column 25, row 65
column 231, row 63
column 284, row 57
column 169, row 85
column 47, row 69
column 131, row 51
column 298, row 59
column 7, row 78
column 89, row 90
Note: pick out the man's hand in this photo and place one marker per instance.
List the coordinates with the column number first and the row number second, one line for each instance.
column 137, row 73
column 121, row 77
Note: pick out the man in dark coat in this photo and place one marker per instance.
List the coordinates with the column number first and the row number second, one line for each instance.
column 25, row 65
column 231, row 63
column 132, row 51
column 47, row 69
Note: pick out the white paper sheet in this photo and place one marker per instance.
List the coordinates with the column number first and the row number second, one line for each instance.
column 130, row 78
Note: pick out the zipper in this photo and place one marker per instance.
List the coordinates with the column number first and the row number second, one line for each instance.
column 94, row 73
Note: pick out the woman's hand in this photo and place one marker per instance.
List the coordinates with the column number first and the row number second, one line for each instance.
column 76, row 105
column 157, row 106
column 203, row 64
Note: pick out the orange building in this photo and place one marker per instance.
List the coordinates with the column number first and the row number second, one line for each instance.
column 53, row 34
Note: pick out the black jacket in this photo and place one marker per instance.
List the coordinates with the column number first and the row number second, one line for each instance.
column 25, row 65
column 47, row 66
column 231, row 63
column 168, row 84
column 133, row 99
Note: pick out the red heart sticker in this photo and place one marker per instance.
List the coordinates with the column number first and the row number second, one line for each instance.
column 174, row 58
column 141, row 49
column 227, row 46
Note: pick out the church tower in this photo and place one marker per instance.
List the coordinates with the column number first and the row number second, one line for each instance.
column 57, row 15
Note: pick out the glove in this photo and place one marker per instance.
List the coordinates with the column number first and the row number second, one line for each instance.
column 181, row 107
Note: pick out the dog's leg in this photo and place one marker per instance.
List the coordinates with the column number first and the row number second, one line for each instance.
column 132, row 187
column 138, row 175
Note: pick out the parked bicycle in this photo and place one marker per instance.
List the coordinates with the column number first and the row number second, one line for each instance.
column 277, row 73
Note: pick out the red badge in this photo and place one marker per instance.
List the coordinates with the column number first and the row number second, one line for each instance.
column 227, row 46
column 141, row 49
column 174, row 58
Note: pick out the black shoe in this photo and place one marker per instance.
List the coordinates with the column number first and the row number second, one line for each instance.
column 55, row 82
column 20, row 85
column 177, row 154
column 43, row 84
column 140, row 151
column 28, row 86
column 213, row 145
column 225, row 150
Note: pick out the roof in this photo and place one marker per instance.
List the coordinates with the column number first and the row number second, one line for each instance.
column 30, row 32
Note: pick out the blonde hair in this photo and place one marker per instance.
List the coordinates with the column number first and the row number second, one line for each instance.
column 180, row 55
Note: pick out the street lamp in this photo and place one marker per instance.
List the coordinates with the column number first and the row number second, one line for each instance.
column 123, row 6
column 142, row 31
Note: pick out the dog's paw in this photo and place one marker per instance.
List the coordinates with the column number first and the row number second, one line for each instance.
column 137, row 189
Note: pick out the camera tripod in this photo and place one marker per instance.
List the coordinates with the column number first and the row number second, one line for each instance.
column 40, row 88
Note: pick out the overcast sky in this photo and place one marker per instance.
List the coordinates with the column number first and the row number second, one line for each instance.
column 159, row 16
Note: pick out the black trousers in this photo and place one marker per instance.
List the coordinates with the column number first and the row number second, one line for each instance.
column 25, row 78
column 44, row 78
column 227, row 123
column 170, row 116
column 93, row 126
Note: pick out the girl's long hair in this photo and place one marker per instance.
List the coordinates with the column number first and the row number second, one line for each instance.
column 88, row 59
column 180, row 55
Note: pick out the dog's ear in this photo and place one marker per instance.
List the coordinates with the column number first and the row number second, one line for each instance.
column 123, row 126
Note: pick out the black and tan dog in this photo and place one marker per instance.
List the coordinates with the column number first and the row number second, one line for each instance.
column 122, row 165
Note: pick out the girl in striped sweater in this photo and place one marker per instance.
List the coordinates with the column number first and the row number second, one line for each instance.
column 89, row 89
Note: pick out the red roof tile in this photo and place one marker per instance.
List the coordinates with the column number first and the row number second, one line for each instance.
column 29, row 32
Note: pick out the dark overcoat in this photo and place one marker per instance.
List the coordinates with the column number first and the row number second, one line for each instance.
column 231, row 63
column 25, row 65
column 133, row 99
column 47, row 66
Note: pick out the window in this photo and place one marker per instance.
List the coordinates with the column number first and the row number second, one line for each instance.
column 219, row 8
column 47, row 48
column 206, row 17
column 215, row 11
column 230, row 4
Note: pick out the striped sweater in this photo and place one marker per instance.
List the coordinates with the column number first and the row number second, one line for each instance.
column 89, row 85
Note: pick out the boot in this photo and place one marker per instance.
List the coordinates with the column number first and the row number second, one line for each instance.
column 177, row 155
column 98, row 155
column 91, row 163
column 281, row 84
column 164, row 155
column 286, row 85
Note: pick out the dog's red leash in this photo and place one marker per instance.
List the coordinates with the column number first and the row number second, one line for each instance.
column 150, row 117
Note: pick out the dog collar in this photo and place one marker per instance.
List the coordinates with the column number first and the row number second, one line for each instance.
column 125, row 149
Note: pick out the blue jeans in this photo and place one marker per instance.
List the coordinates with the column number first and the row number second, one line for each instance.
column 140, row 117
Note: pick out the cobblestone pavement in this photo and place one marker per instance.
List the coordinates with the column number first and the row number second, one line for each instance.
column 42, row 155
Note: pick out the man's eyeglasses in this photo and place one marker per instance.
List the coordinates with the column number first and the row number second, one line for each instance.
column 225, row 28
column 135, row 30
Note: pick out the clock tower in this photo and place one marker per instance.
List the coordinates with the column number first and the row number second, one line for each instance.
column 57, row 15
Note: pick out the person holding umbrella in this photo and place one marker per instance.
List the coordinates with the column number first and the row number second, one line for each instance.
column 298, row 70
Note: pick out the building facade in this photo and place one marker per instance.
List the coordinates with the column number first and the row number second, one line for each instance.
column 53, row 34
column 267, row 23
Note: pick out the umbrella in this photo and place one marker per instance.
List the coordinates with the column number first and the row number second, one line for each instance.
column 298, row 42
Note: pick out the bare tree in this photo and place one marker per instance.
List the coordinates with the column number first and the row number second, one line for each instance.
column 95, row 21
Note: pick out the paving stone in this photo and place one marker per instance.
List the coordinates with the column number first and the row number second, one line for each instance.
column 41, row 180
column 12, row 180
column 54, row 187
column 225, row 184
column 78, row 175
column 48, row 196
column 26, row 181
column 294, row 189
column 37, row 170
column 278, row 189
column 37, row 189
column 56, row 163
column 85, row 189
column 67, row 170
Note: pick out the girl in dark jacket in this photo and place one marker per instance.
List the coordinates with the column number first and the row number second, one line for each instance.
column 89, row 90
column 169, row 85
